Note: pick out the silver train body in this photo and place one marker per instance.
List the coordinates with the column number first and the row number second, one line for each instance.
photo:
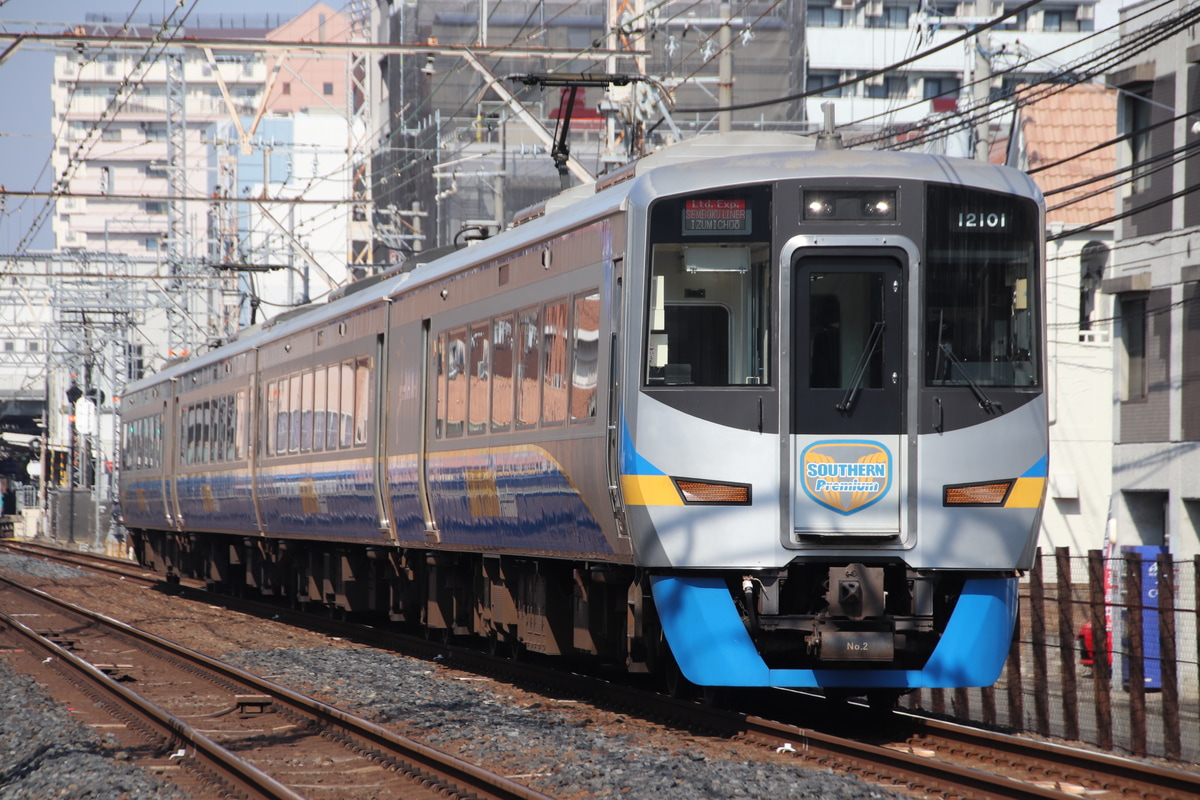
column 757, row 414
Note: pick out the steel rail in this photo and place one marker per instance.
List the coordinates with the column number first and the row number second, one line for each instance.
column 229, row 767
column 1097, row 766
column 417, row 757
column 853, row 755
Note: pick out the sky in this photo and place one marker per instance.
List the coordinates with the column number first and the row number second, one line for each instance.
column 25, row 125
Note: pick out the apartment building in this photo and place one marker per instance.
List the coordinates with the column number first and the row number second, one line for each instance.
column 1154, row 283
column 118, row 107
column 117, row 144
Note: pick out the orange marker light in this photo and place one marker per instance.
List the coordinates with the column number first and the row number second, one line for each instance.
column 976, row 494
column 702, row 492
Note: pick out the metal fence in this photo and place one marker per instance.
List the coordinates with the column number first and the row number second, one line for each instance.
column 1117, row 669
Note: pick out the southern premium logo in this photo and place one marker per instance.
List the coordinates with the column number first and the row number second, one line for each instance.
column 846, row 476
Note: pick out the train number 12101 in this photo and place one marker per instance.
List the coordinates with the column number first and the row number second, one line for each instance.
column 979, row 220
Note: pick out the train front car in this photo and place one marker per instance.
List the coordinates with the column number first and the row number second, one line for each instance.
column 834, row 435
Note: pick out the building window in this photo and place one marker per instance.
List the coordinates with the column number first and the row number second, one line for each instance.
column 818, row 81
column 892, row 17
column 1019, row 22
column 1065, row 20
column 1133, row 337
column 33, row 345
column 111, row 134
column 135, row 362
column 287, row 87
column 1138, row 107
column 1092, row 260
column 10, row 346
column 327, row 89
column 943, row 86
column 889, row 88
column 106, row 180
column 156, row 207
column 825, row 17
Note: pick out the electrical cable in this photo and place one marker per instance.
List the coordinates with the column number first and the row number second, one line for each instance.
column 1015, row 10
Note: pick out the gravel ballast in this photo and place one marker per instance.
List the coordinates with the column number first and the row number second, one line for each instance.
column 560, row 754
column 561, row 747
column 45, row 754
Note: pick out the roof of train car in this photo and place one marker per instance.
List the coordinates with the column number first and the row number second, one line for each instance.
column 744, row 158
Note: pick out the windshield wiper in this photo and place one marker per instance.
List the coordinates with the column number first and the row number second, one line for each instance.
column 855, row 387
column 984, row 402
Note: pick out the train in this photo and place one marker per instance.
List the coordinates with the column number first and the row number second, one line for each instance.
column 744, row 413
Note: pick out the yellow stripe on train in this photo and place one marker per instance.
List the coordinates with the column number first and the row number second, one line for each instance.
column 1027, row 493
column 650, row 490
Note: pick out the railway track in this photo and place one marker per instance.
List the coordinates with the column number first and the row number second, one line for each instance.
column 259, row 740
column 910, row 752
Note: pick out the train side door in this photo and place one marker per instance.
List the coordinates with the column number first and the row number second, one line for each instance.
column 847, row 413
column 615, row 388
column 171, row 427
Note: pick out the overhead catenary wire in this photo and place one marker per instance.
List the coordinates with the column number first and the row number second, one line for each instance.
column 1012, row 12
column 861, row 77
column 1095, row 64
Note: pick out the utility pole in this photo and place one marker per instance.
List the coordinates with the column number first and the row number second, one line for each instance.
column 626, row 24
column 798, row 61
column 982, row 86
column 725, row 70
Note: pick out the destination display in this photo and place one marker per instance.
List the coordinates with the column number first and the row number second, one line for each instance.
column 703, row 217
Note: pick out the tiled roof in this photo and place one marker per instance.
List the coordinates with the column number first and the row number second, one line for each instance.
column 1062, row 125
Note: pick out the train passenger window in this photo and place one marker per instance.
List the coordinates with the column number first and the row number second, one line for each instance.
column 708, row 311
column 188, row 437
column 306, row 412
column 276, row 418
column 205, row 432
column 227, row 427
column 294, row 400
column 585, row 356
column 528, row 385
column 982, row 296
column 480, row 369
column 554, row 364
column 456, row 382
column 708, row 315
column 362, row 399
column 318, row 421
column 197, row 433
column 502, row 372
column 241, row 426
column 439, row 370
column 219, row 407
column 231, row 427
column 347, row 411
column 845, row 319
column 129, row 446
column 333, row 414
column 193, row 433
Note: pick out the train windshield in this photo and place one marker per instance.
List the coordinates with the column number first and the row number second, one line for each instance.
column 708, row 310
column 982, row 289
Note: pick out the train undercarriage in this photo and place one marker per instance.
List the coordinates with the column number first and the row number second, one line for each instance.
column 515, row 603
column 808, row 616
